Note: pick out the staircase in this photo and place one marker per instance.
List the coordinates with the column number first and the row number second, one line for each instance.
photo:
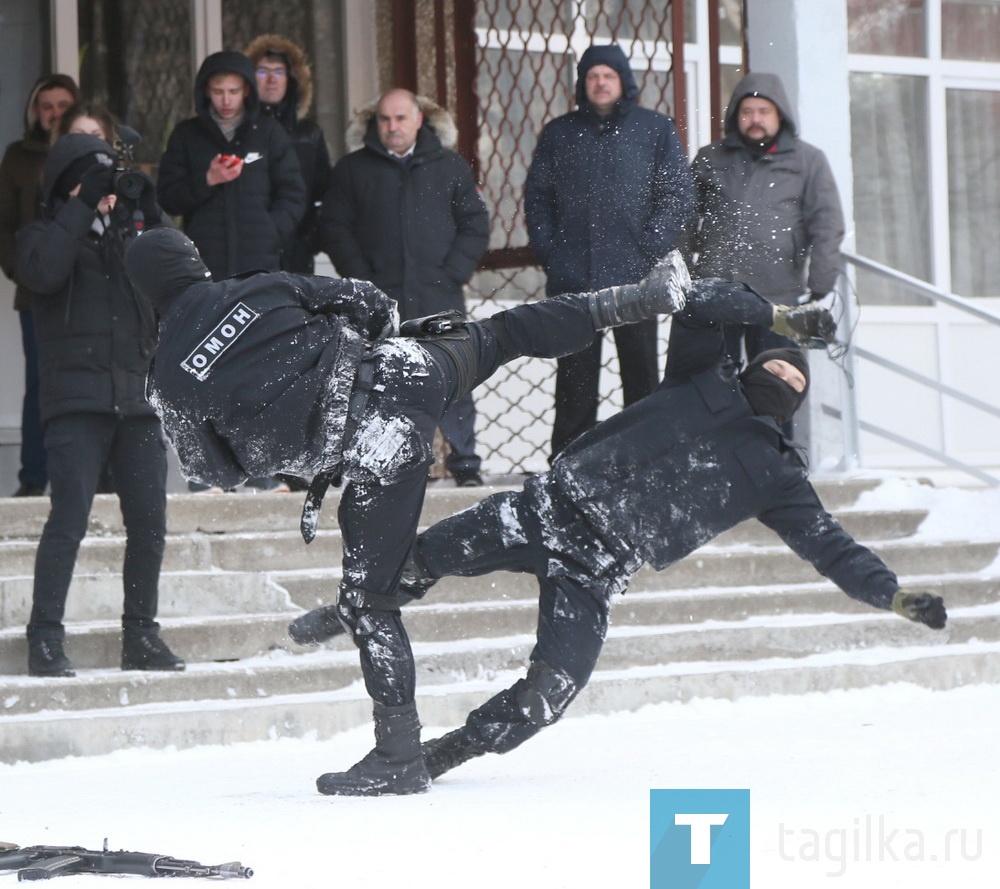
column 741, row 616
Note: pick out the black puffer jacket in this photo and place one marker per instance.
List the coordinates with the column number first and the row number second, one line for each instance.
column 308, row 141
column 96, row 336
column 417, row 230
column 676, row 469
column 243, row 224
column 606, row 197
column 252, row 374
column 765, row 218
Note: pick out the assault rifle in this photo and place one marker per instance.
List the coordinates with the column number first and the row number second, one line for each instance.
column 45, row 862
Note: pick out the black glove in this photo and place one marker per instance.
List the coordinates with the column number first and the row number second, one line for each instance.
column 147, row 200
column 924, row 608
column 95, row 184
column 804, row 323
column 816, row 296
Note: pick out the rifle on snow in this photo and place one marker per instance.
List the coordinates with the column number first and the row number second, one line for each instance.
column 45, row 862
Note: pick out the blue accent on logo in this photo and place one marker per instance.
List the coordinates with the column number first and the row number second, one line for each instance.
column 699, row 839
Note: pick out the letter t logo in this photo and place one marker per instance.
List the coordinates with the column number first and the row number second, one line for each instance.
column 701, row 833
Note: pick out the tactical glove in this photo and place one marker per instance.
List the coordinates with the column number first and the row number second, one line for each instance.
column 95, row 184
column 662, row 292
column 804, row 323
column 924, row 608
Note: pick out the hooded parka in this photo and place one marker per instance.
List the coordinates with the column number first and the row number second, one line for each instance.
column 416, row 229
column 96, row 336
column 766, row 217
column 309, row 143
column 606, row 197
column 244, row 224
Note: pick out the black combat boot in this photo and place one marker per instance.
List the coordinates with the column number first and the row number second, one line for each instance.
column 316, row 626
column 449, row 751
column 395, row 766
column 145, row 650
column 47, row 658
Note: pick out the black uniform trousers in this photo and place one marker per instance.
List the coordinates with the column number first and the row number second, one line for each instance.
column 578, row 380
column 533, row 531
column 79, row 446
column 379, row 517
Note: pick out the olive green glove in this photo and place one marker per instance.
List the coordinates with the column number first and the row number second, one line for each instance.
column 801, row 324
column 924, row 608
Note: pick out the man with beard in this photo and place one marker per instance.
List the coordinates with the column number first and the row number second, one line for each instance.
column 651, row 484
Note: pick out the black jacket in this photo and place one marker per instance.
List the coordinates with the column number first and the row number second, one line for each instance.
column 95, row 335
column 252, row 374
column 417, row 230
column 243, row 224
column 606, row 198
column 676, row 469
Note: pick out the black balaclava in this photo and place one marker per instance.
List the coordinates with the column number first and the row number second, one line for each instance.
column 162, row 263
column 770, row 395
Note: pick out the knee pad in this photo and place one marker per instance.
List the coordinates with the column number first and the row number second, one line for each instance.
column 462, row 355
column 545, row 693
column 354, row 605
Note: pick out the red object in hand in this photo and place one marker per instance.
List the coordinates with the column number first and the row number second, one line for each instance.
column 229, row 160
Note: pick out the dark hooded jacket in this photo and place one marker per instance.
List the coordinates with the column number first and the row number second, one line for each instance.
column 95, row 335
column 309, row 143
column 606, row 197
column 243, row 224
column 253, row 373
column 673, row 471
column 416, row 229
column 21, row 180
column 764, row 218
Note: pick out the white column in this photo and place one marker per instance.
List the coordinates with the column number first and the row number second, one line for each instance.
column 360, row 63
column 65, row 38
column 206, row 30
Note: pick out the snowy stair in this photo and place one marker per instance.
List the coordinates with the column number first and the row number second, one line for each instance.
column 741, row 616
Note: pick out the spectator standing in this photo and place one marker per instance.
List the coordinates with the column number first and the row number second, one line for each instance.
column 768, row 211
column 95, row 342
column 20, row 181
column 403, row 211
column 284, row 87
column 607, row 195
column 231, row 173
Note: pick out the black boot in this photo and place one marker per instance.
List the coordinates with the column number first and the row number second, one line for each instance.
column 449, row 751
column 47, row 658
column 316, row 626
column 662, row 292
column 395, row 766
column 145, row 650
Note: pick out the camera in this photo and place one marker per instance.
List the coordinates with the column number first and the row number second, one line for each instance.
column 125, row 182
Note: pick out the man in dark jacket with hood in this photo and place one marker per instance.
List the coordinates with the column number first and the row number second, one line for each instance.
column 607, row 195
column 404, row 212
column 651, row 484
column 20, row 182
column 269, row 373
column 95, row 341
column 285, row 90
column 232, row 173
column 768, row 209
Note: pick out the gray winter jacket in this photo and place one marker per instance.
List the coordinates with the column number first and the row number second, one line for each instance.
column 761, row 217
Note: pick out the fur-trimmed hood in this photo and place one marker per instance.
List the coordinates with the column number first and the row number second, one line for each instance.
column 436, row 118
column 300, row 79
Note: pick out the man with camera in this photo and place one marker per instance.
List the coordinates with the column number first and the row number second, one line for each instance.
column 96, row 338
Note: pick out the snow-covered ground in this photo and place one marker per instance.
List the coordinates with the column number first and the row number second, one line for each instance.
column 895, row 786
column 866, row 788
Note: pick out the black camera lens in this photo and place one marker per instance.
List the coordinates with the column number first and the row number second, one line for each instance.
column 129, row 184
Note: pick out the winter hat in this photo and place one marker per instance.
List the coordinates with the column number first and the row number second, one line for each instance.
column 768, row 394
column 71, row 176
column 614, row 57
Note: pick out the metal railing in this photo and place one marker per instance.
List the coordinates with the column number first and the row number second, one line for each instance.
column 852, row 424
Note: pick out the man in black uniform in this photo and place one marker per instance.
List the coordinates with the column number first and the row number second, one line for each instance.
column 651, row 484
column 274, row 372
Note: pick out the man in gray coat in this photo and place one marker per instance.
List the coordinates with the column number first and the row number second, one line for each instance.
column 768, row 211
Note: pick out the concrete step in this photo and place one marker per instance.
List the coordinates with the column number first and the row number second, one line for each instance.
column 52, row 734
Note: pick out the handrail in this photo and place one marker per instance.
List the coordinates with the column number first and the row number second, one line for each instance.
column 848, row 415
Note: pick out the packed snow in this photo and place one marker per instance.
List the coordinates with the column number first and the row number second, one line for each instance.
column 894, row 785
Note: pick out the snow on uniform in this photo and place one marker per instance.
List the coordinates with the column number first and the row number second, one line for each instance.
column 650, row 484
